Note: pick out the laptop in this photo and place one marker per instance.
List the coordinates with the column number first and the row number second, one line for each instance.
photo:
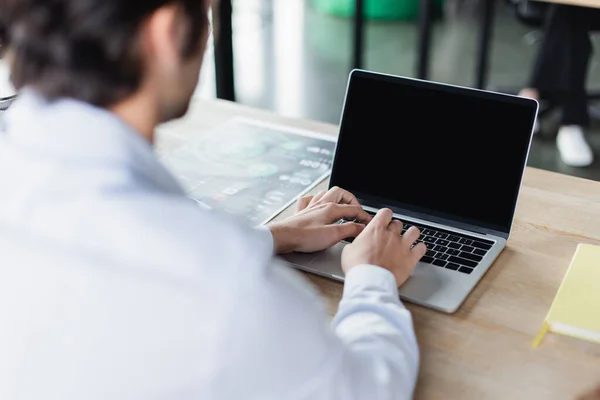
column 446, row 159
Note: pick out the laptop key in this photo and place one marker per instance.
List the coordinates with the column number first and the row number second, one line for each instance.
column 470, row 256
column 441, row 235
column 442, row 242
column 462, row 261
column 441, row 249
column 428, row 232
column 480, row 245
column 430, row 253
column 468, row 249
column 465, row 270
column 454, row 245
column 480, row 252
column 427, row 260
column 443, row 256
column 453, row 266
column 439, row 263
column 453, row 252
column 430, row 245
column 429, row 239
column 453, row 238
column 465, row 241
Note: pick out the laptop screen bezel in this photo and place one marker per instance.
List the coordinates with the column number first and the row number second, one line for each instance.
column 458, row 220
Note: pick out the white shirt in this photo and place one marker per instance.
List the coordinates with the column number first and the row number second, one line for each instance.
column 114, row 285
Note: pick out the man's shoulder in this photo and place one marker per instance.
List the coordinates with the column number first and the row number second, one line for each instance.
column 173, row 232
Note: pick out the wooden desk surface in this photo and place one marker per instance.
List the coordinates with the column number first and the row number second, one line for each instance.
column 582, row 3
column 484, row 350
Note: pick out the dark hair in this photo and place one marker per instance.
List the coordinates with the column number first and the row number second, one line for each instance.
column 84, row 49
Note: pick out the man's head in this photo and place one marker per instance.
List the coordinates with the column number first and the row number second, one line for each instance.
column 107, row 52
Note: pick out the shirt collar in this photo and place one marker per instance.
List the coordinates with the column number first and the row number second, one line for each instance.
column 78, row 132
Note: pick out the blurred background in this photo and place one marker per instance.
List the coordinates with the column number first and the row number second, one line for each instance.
column 293, row 56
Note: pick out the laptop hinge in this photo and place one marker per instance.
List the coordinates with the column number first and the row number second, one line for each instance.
column 438, row 220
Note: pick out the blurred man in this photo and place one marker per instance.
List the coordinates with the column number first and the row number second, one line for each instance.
column 560, row 75
column 116, row 286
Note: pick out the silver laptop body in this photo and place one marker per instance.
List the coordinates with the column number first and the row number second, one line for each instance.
column 460, row 248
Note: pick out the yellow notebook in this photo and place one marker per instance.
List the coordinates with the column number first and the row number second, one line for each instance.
column 575, row 310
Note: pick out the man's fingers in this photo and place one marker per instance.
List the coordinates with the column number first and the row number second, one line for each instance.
column 382, row 219
column 317, row 197
column 396, row 227
column 412, row 234
column 303, row 202
column 339, row 195
column 419, row 251
column 335, row 212
column 345, row 230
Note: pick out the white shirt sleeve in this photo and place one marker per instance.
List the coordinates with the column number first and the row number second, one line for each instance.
column 382, row 358
column 280, row 345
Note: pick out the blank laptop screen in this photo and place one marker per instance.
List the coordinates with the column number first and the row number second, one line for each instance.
column 451, row 152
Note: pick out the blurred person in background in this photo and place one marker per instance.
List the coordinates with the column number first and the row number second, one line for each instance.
column 560, row 74
column 115, row 285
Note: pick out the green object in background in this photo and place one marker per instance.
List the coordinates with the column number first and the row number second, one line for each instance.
column 374, row 9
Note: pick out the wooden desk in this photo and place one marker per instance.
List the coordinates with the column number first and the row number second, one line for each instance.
column 484, row 350
column 582, row 3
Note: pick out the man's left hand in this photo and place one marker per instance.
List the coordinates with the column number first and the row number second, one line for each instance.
column 315, row 225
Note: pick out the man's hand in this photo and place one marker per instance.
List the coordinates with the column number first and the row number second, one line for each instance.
column 593, row 395
column 381, row 244
column 314, row 227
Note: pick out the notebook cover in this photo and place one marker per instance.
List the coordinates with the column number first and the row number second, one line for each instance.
column 577, row 302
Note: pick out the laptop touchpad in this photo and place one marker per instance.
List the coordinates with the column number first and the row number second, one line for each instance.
column 299, row 259
column 328, row 262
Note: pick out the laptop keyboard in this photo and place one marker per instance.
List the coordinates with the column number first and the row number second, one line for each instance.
column 450, row 250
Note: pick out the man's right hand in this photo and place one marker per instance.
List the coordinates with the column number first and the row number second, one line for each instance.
column 381, row 244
